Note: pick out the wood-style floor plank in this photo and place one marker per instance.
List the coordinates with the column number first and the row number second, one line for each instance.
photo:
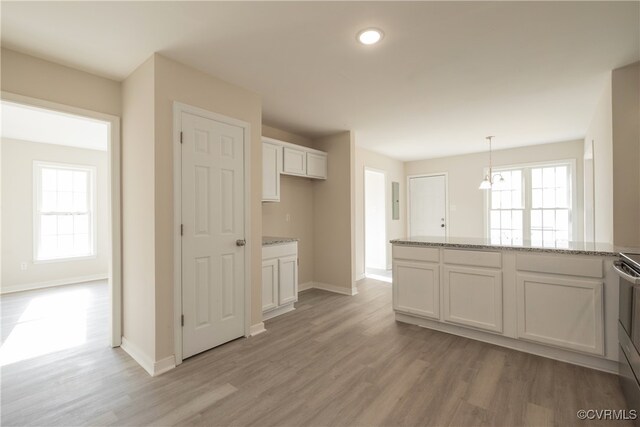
column 334, row 361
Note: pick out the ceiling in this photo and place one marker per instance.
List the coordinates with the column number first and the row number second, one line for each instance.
column 34, row 124
column 446, row 74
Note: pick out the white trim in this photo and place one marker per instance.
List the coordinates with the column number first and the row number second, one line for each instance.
column 363, row 276
column 562, row 355
column 257, row 329
column 52, row 283
column 152, row 367
column 446, row 199
column 178, row 109
column 291, row 145
column 364, row 214
column 305, row 286
column 336, row 289
column 113, row 202
column 277, row 311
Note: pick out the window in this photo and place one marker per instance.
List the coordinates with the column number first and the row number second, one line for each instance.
column 64, row 218
column 533, row 204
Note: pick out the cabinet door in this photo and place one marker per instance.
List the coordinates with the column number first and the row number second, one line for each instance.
column 288, row 279
column 562, row 311
column 416, row 288
column 269, row 284
column 473, row 297
column 317, row 165
column 295, row 161
column 271, row 168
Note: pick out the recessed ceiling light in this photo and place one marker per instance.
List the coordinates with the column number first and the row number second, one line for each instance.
column 370, row 36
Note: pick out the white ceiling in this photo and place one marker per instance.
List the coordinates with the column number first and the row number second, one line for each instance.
column 446, row 74
column 33, row 124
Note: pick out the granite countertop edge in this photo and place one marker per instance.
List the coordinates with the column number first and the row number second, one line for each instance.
column 507, row 248
column 271, row 241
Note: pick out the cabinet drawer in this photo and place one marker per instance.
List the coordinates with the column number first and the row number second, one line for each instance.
column 473, row 258
column 561, row 264
column 416, row 254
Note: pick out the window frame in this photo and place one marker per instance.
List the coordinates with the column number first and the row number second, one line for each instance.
column 38, row 166
column 527, row 196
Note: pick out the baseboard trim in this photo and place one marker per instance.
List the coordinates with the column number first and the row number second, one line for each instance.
column 336, row 289
column 152, row 367
column 562, row 355
column 257, row 329
column 305, row 286
column 52, row 283
column 278, row 311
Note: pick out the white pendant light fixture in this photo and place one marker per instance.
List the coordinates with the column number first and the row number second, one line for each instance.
column 490, row 179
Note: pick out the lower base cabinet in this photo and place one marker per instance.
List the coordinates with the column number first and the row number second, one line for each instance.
column 416, row 288
column 279, row 279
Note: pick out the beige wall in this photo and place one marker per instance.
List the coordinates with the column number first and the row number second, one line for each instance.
column 29, row 76
column 626, row 154
column 334, row 202
column 296, row 200
column 394, row 171
column 17, row 216
column 138, row 219
column 599, row 134
column 177, row 82
column 467, row 203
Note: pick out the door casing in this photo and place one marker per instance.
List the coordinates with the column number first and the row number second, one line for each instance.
column 178, row 109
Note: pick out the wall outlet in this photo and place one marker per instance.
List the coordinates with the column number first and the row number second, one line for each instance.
column 23, row 265
column 287, row 217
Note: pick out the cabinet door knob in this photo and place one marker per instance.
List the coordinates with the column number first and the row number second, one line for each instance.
column 241, row 242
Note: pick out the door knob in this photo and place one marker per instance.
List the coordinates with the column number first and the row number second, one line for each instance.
column 241, row 242
column 442, row 225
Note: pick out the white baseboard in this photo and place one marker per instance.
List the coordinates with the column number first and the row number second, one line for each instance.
column 153, row 368
column 278, row 311
column 568, row 356
column 337, row 289
column 256, row 329
column 305, row 286
column 51, row 283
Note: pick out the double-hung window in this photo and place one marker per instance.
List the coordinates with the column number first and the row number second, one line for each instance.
column 534, row 204
column 64, row 220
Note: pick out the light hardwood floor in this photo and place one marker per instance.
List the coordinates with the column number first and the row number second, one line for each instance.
column 335, row 360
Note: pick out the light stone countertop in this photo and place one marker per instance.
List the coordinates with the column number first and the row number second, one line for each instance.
column 270, row 240
column 577, row 248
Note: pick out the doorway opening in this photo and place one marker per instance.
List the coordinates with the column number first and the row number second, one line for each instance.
column 60, row 230
column 376, row 255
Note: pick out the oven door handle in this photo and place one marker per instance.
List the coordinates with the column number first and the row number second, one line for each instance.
column 617, row 266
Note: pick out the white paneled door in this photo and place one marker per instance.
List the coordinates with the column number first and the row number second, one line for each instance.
column 213, row 233
column 428, row 205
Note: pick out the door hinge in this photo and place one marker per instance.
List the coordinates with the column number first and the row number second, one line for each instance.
column 182, row 320
column 180, row 137
column 182, row 229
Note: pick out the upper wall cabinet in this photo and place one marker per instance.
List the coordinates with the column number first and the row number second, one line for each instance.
column 271, row 169
column 279, row 157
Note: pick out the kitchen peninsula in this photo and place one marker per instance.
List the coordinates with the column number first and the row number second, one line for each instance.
column 559, row 302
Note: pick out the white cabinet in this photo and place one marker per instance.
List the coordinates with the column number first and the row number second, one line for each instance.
column 287, row 279
column 269, row 284
column 279, row 279
column 271, row 169
column 473, row 297
column 416, row 288
column 317, row 165
column 561, row 311
column 295, row 161
column 283, row 158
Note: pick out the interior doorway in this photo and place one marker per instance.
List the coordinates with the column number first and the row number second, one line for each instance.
column 428, row 205
column 61, row 253
column 375, row 225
